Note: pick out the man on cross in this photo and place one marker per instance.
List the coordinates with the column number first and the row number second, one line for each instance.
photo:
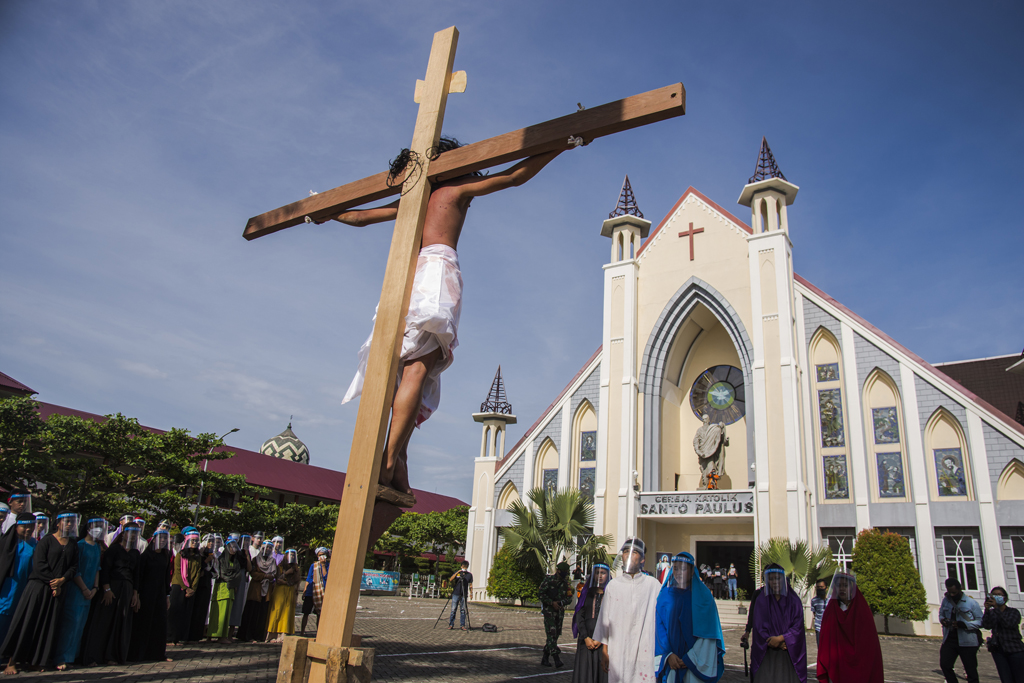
column 431, row 326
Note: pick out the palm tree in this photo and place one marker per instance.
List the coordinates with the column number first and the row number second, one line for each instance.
column 556, row 528
column 803, row 565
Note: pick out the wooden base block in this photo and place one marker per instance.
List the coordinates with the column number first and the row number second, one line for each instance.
column 335, row 664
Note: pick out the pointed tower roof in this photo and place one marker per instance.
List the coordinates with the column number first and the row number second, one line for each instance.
column 496, row 401
column 627, row 202
column 766, row 166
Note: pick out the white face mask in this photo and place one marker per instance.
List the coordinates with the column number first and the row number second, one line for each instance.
column 96, row 533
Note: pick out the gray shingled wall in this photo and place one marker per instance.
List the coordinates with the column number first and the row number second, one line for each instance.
column 1000, row 452
column 590, row 390
column 1009, row 566
column 870, row 357
column 514, row 474
column 815, row 317
column 929, row 399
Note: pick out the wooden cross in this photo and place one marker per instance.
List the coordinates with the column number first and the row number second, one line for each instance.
column 690, row 233
column 356, row 511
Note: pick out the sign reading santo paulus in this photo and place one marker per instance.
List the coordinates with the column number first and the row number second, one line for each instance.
column 697, row 504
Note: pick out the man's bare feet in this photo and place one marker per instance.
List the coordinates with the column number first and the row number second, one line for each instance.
column 400, row 478
column 10, row 670
column 62, row 667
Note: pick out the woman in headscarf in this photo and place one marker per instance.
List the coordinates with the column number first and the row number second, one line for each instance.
column 32, row 638
column 688, row 640
column 587, row 668
column 238, row 606
column 281, row 621
column 149, row 635
column 316, row 582
column 779, row 648
column 109, row 631
column 16, row 547
column 228, row 572
column 848, row 647
column 187, row 567
column 210, row 551
column 254, row 617
column 79, row 599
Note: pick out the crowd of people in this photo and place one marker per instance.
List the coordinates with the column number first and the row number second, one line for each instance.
column 85, row 593
column 664, row 626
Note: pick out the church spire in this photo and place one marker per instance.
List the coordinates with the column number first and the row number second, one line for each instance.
column 766, row 166
column 627, row 202
column 496, row 401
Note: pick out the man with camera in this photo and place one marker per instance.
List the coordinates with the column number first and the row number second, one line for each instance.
column 461, row 583
column 960, row 616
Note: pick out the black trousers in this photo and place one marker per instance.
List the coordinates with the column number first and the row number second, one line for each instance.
column 968, row 655
column 1009, row 666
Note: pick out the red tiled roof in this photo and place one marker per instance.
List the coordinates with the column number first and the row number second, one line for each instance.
column 275, row 473
column 988, row 378
column 8, row 382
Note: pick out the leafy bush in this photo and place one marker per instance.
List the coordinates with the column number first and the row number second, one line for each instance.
column 887, row 577
column 509, row 580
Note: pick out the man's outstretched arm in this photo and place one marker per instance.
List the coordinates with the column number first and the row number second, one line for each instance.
column 361, row 217
column 513, row 177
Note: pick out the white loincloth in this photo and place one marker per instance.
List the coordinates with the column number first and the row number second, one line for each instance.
column 432, row 323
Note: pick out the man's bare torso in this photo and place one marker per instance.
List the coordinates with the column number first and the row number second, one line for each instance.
column 446, row 214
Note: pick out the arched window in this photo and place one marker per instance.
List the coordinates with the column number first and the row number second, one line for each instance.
column 509, row 495
column 1011, row 481
column 830, row 426
column 887, row 459
column 764, row 215
column 584, row 440
column 547, row 466
column 949, row 471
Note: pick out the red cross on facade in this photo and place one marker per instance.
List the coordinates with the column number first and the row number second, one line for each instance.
column 690, row 233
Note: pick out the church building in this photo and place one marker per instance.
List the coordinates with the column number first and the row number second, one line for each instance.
column 731, row 401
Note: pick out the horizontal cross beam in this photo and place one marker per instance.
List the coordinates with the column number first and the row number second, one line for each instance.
column 606, row 119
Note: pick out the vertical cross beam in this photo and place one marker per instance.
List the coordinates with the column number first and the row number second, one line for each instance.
column 356, row 509
column 690, row 233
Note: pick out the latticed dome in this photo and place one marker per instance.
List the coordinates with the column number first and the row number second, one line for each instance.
column 287, row 447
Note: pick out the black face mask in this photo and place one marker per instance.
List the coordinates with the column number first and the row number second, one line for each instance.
column 821, row 592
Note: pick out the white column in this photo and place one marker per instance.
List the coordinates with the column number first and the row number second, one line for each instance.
column 810, row 474
column 529, row 461
column 629, row 394
column 565, row 447
column 991, row 546
column 759, row 392
column 855, row 431
column 501, row 452
column 790, row 401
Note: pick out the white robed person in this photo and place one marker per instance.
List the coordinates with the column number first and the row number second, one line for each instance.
column 626, row 625
column 688, row 640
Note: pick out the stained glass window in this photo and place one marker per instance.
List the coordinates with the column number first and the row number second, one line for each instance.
column 830, row 409
column 828, row 372
column 551, row 480
column 588, row 446
column 949, row 472
column 587, row 481
column 890, row 475
column 887, row 425
column 718, row 393
column 837, row 481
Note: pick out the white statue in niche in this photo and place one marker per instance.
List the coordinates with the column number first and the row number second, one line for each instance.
column 709, row 443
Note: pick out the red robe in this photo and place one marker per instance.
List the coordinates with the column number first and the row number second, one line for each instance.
column 848, row 647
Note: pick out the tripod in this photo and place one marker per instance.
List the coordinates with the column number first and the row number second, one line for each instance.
column 465, row 606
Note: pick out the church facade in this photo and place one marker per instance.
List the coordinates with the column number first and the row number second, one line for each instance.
column 818, row 425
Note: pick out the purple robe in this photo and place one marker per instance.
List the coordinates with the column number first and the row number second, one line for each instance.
column 783, row 617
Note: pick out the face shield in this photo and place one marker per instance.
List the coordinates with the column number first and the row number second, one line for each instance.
column 291, row 556
column 19, row 503
column 217, row 544
column 161, row 540
column 164, row 525
column 267, row 549
column 192, row 541
column 42, row 527
column 130, row 537
column 278, row 545
column 244, row 543
column 682, row 571
column 126, row 520
column 5, row 509
column 96, row 528
column 633, row 551
column 67, row 524
column 232, row 543
column 26, row 526
column 141, row 523
column 775, row 581
column 599, row 576
column 844, row 587
column 257, row 538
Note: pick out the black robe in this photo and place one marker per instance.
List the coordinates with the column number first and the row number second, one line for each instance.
column 587, row 668
column 35, row 625
column 179, row 615
column 109, row 630
column 149, row 635
column 204, row 592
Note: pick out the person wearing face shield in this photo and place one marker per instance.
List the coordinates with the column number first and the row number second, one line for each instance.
column 187, row 566
column 278, row 549
column 32, row 637
column 18, row 502
column 15, row 566
column 208, row 552
column 689, row 647
column 238, row 606
column 281, row 619
column 626, row 626
column 261, row 582
column 114, row 533
column 5, row 510
column 228, row 570
column 257, row 544
column 110, row 629
column 848, row 649
column 587, row 668
column 149, row 632
column 42, row 527
column 79, row 599
column 779, row 648
column 316, row 582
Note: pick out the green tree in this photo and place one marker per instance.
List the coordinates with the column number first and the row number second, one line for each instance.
column 887, row 578
column 803, row 565
column 553, row 530
column 401, row 540
column 442, row 532
column 509, row 580
column 109, row 467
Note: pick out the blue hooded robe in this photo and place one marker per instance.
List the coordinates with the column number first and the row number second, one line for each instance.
column 688, row 626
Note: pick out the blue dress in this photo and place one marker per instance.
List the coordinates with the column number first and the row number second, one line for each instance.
column 13, row 585
column 76, row 607
column 688, row 627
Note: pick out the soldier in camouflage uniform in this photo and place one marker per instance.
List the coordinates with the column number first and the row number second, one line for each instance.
column 555, row 594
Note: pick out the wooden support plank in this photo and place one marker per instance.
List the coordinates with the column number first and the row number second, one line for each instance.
column 357, row 502
column 606, row 119
column 360, row 665
column 292, row 666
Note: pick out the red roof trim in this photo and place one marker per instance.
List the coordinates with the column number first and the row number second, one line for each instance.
column 691, row 190
column 938, row 374
column 11, row 383
column 498, row 465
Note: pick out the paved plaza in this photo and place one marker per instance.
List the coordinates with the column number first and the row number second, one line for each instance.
column 409, row 650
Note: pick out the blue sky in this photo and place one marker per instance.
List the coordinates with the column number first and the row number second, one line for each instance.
column 136, row 139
